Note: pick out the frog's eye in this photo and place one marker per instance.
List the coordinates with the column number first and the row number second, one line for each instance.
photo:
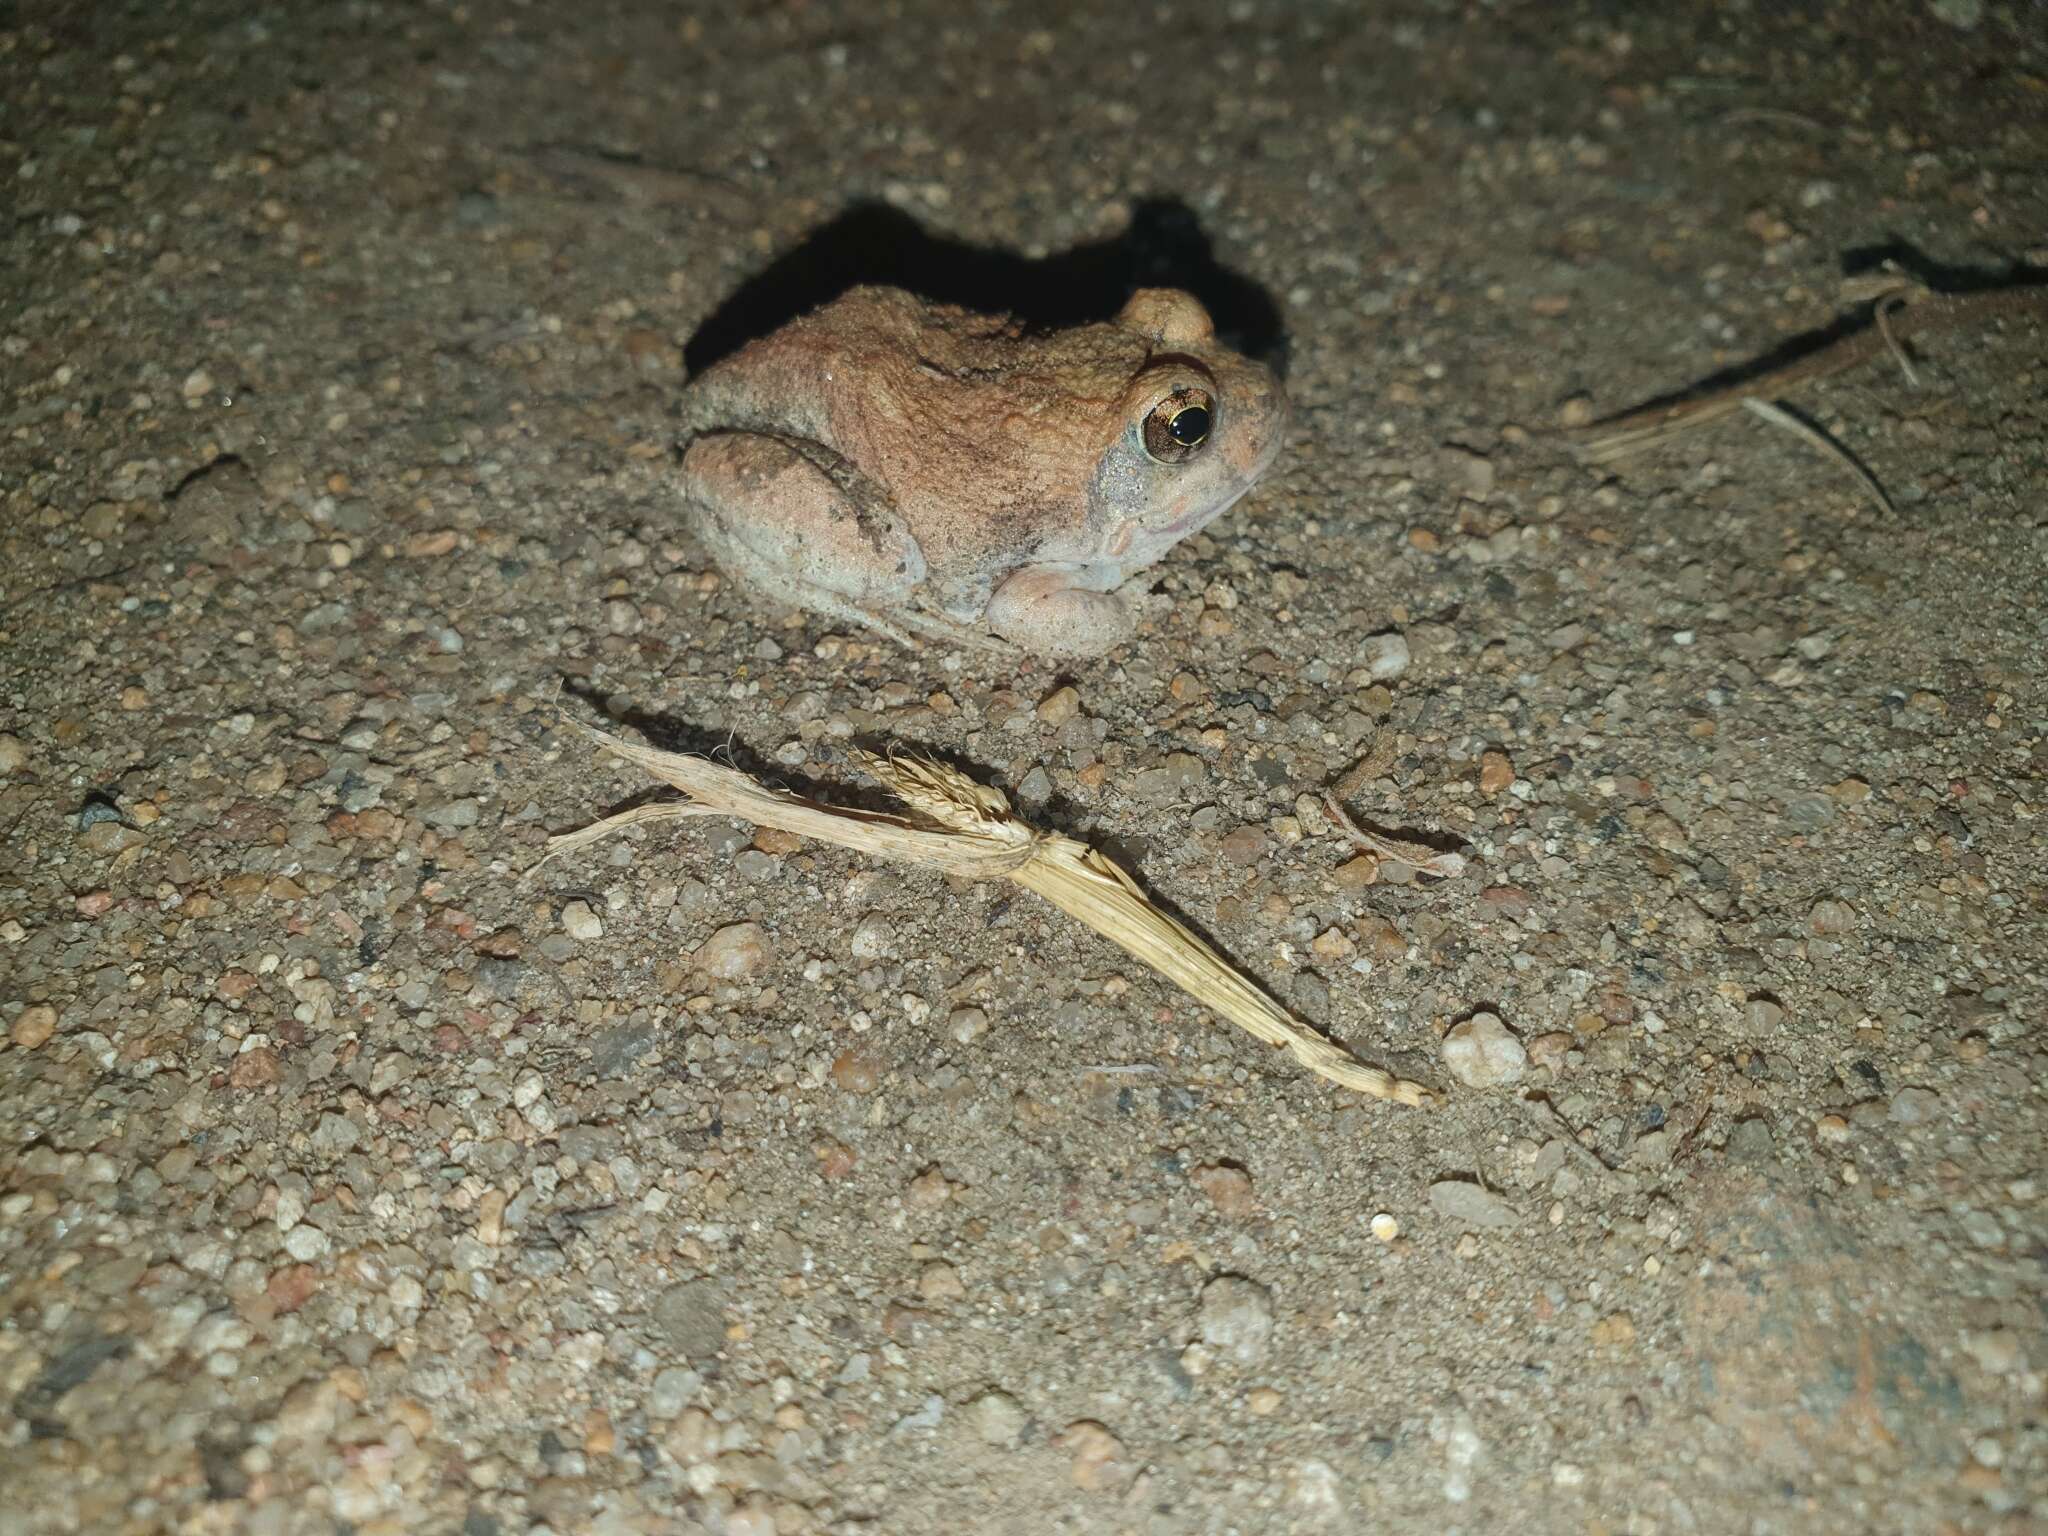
column 1179, row 425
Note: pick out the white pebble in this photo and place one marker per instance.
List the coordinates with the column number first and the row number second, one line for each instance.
column 734, row 952
column 1236, row 1318
column 1481, row 1053
column 1463, row 1450
column 1386, row 656
column 579, row 922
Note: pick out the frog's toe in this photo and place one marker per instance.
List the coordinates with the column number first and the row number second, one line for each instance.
column 1038, row 610
column 932, row 626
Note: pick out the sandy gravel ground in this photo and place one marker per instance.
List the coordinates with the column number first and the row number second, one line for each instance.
column 357, row 1180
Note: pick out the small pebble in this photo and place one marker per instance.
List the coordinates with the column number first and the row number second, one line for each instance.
column 1059, row 706
column 34, row 1026
column 1982, row 1229
column 13, row 754
column 1385, row 1227
column 1472, row 473
column 1386, row 657
column 928, row 1190
column 1355, row 874
column 1914, row 1106
column 1752, row 1142
column 1481, row 1053
column 1617, row 1330
column 1996, row 1350
column 257, row 1068
column 1463, row 1451
column 1379, row 938
column 1245, row 846
column 1228, row 1187
column 674, row 1389
column 1810, row 812
column 856, row 1071
column 1236, row 1318
column 690, row 1318
column 998, row 1419
column 1830, row 917
column 1473, row 1204
column 1763, row 1015
column 580, row 923
column 874, row 938
column 1496, row 772
column 1098, row 1457
column 734, row 952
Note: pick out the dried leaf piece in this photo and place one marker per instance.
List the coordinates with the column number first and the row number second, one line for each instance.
column 965, row 828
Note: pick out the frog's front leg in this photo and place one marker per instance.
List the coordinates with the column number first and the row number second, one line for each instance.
column 793, row 520
column 1046, row 610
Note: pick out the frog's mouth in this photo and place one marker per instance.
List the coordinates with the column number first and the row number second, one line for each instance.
column 1153, row 540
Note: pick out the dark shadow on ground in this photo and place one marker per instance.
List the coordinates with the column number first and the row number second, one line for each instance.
column 1164, row 246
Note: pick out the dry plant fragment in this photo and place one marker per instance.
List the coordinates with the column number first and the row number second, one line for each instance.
column 963, row 828
column 1394, row 850
column 1778, row 416
column 1900, row 310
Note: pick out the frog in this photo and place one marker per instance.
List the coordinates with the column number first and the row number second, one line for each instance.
column 928, row 471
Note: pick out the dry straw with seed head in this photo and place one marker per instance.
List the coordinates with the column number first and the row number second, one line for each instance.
column 960, row 827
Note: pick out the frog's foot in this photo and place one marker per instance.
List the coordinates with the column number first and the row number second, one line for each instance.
column 1041, row 610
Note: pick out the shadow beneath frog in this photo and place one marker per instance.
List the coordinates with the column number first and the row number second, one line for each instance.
column 873, row 243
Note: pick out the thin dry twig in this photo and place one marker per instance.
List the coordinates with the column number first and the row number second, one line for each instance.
column 963, row 828
column 1807, row 433
column 1917, row 310
column 1395, row 850
column 1378, row 758
column 1738, row 115
column 1880, row 314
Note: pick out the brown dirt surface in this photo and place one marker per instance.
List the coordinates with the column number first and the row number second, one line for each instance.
column 355, row 1179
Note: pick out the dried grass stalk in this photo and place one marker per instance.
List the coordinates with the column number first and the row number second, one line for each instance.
column 963, row 828
column 1900, row 310
column 1811, row 435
